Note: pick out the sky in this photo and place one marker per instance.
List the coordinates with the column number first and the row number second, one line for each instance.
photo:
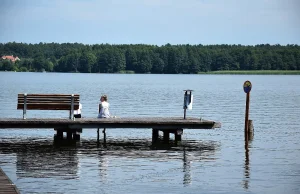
column 155, row 22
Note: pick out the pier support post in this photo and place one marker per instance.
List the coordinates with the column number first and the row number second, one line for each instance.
column 59, row 134
column 166, row 136
column 178, row 133
column 98, row 136
column 69, row 135
column 155, row 134
column 76, row 136
column 104, row 137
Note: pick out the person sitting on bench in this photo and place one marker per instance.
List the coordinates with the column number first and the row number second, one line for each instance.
column 77, row 113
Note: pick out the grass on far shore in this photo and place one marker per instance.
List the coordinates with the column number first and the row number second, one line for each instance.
column 126, row 72
column 256, row 72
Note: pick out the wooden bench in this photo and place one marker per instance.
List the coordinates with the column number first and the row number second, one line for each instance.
column 48, row 102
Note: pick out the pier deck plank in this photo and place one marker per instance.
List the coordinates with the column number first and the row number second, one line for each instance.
column 135, row 122
column 6, row 186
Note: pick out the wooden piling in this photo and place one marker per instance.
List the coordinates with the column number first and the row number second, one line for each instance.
column 59, row 134
column 177, row 137
column 76, row 136
column 166, row 136
column 104, row 137
column 98, row 136
column 69, row 135
column 155, row 134
column 178, row 134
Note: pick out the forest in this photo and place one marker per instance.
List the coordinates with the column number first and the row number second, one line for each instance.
column 141, row 58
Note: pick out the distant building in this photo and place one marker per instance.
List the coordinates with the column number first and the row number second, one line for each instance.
column 11, row 58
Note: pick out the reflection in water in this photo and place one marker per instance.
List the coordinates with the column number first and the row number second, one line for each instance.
column 48, row 159
column 186, row 169
column 191, row 151
column 41, row 159
column 103, row 166
column 247, row 164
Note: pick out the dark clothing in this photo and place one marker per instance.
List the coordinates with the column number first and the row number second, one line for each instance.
column 77, row 116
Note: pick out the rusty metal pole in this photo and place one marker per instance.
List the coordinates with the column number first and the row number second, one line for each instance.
column 247, row 115
column 247, row 88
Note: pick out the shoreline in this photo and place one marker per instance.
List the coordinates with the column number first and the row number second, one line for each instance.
column 254, row 72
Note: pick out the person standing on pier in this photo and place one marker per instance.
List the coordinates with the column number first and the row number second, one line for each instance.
column 103, row 108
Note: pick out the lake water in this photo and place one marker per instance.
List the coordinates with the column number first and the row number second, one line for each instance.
column 207, row 161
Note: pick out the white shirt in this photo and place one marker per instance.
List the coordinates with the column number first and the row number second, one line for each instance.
column 77, row 112
column 104, row 110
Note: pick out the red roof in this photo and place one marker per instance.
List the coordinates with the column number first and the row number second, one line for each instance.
column 12, row 58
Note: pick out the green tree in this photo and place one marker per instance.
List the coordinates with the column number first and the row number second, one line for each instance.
column 7, row 65
column 131, row 59
column 87, row 61
column 157, row 64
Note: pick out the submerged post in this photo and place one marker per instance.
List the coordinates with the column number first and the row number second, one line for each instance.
column 247, row 89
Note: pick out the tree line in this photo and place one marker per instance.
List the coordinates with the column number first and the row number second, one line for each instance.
column 141, row 58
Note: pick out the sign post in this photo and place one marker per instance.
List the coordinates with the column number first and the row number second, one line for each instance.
column 247, row 88
column 188, row 101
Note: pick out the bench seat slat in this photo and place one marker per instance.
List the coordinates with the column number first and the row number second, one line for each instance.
column 48, row 101
column 48, row 96
column 48, row 106
column 42, row 98
column 42, row 95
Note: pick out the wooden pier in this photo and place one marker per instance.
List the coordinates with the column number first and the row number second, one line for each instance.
column 167, row 125
column 6, row 185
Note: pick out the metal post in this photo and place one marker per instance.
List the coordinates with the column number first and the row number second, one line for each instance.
column 184, row 104
column 72, row 107
column 25, row 106
column 247, row 115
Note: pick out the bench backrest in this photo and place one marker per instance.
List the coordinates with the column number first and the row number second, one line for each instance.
column 48, row 102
